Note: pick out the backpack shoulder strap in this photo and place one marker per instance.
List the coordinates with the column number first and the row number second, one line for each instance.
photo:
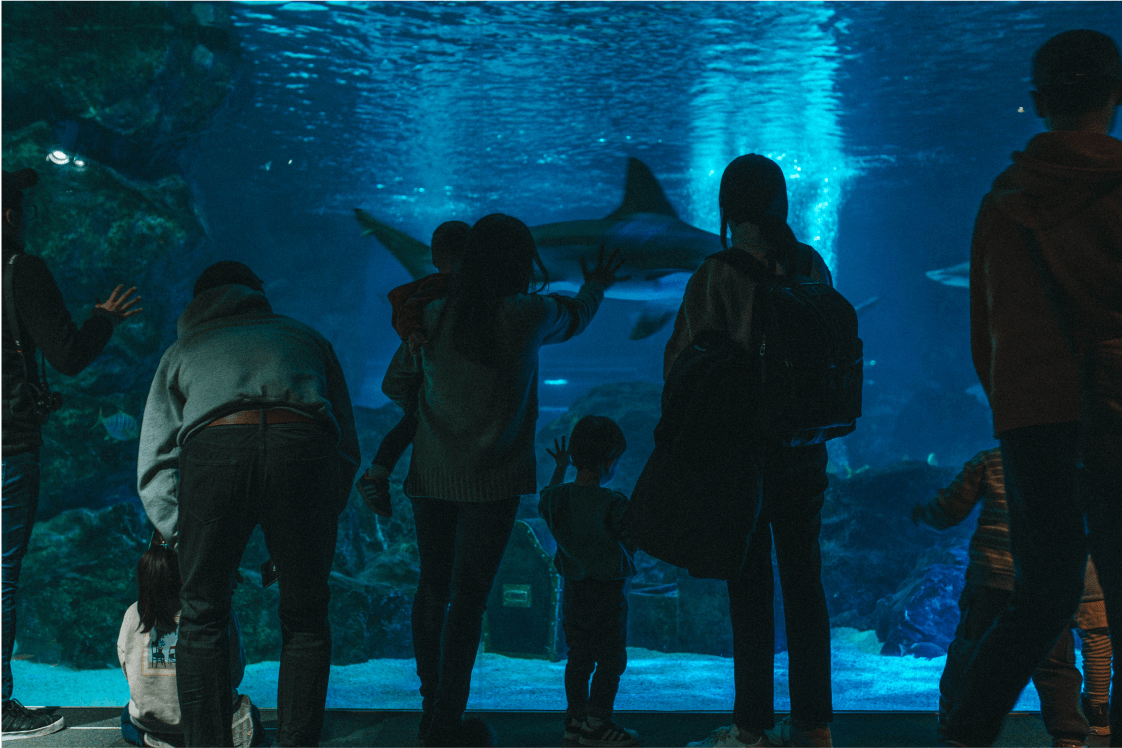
column 803, row 260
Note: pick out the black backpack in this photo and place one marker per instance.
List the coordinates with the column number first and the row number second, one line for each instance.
column 798, row 384
column 808, row 358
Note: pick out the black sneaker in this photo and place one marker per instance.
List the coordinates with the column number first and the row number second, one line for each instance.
column 21, row 722
column 606, row 733
column 573, row 728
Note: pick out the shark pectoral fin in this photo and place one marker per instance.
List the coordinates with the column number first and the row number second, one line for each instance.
column 414, row 255
column 651, row 320
column 642, row 193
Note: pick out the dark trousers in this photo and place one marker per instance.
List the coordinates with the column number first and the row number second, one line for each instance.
column 594, row 616
column 231, row 478
column 1057, row 680
column 1049, row 497
column 460, row 544
column 793, row 483
column 398, row 439
column 20, row 498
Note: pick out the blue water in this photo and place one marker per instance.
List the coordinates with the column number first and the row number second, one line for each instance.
column 890, row 121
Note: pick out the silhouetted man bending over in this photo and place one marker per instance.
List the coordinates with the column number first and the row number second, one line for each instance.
column 248, row 422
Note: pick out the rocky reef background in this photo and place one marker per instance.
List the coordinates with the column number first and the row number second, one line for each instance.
column 880, row 571
column 121, row 91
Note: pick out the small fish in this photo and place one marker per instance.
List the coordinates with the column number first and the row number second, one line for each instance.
column 120, row 426
column 956, row 276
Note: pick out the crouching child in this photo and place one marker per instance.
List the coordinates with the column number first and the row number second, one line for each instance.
column 595, row 562
column 146, row 648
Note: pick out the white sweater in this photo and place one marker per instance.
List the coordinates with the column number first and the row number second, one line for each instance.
column 148, row 661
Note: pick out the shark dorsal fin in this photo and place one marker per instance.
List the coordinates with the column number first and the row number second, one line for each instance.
column 642, row 193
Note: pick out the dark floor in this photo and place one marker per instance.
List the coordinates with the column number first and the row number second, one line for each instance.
column 91, row 726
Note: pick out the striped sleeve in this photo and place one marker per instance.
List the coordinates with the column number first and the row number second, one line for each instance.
column 953, row 504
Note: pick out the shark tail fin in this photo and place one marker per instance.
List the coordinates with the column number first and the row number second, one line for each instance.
column 414, row 255
column 642, row 193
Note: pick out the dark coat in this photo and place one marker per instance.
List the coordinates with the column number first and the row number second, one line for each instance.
column 45, row 325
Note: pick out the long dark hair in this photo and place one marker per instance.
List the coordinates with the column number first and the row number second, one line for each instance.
column 157, row 586
column 498, row 262
column 753, row 189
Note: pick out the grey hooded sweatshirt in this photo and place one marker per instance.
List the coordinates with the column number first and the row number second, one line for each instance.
column 234, row 353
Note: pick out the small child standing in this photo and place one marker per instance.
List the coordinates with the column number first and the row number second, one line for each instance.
column 988, row 592
column 408, row 303
column 586, row 521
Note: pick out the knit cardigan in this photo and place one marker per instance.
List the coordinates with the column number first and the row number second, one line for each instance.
column 475, row 435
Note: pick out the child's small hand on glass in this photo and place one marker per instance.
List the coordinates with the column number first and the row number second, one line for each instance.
column 561, row 456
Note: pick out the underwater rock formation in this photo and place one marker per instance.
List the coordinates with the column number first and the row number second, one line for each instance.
column 78, row 578
column 129, row 85
column 921, row 616
column 96, row 228
column 869, row 543
column 870, row 546
column 880, row 571
column 121, row 91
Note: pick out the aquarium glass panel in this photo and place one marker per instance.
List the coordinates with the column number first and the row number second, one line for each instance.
column 321, row 143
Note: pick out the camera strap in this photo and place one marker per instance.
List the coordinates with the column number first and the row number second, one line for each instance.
column 13, row 321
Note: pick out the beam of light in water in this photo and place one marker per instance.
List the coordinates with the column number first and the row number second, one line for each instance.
column 763, row 93
column 556, row 382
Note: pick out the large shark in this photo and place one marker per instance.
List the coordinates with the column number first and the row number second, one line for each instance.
column 659, row 250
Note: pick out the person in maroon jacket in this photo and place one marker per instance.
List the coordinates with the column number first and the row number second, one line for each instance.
column 34, row 317
column 1061, row 201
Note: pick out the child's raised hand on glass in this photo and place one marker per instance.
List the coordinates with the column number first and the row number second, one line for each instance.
column 561, row 456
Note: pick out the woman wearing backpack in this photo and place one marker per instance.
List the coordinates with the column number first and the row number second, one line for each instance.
column 473, row 453
column 789, row 487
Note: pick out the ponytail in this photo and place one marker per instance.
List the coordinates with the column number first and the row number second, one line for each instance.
column 158, row 582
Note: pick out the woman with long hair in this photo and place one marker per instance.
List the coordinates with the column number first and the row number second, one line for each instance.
column 473, row 454
column 787, row 489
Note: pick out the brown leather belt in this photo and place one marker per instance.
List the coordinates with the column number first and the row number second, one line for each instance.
column 253, row 418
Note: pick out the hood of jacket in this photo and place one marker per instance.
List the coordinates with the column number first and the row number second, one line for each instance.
column 218, row 303
column 1058, row 175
